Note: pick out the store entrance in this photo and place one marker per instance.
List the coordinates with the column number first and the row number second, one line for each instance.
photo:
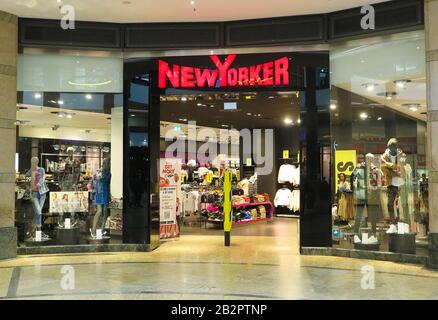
column 256, row 135
column 265, row 117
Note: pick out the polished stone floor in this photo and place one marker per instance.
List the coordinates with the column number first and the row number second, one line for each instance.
column 262, row 263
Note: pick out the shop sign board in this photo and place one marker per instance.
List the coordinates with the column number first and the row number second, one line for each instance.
column 345, row 162
column 223, row 74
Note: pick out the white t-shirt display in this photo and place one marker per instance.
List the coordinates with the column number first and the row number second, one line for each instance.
column 289, row 173
column 287, row 198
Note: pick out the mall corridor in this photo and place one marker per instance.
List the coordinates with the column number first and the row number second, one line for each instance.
column 261, row 265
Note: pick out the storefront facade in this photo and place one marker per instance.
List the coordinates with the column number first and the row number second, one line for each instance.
column 356, row 98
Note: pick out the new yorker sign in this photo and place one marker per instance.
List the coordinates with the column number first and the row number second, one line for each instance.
column 224, row 74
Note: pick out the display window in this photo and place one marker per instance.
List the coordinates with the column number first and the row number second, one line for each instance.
column 69, row 128
column 378, row 121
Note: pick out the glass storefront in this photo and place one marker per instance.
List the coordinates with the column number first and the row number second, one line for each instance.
column 69, row 145
column 358, row 145
column 378, row 120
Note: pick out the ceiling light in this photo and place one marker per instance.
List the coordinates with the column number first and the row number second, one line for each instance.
column 60, row 102
column 192, row 2
column 387, row 95
column 37, row 95
column 271, row 97
column 199, row 104
column 248, row 113
column 370, row 86
column 88, row 96
column 299, row 120
column 211, row 106
column 332, row 106
column 288, row 121
column 412, row 106
column 61, row 115
column 69, row 116
column 379, row 118
column 184, row 99
column 224, row 126
column 363, row 115
column 89, row 84
column 132, row 115
column 401, row 83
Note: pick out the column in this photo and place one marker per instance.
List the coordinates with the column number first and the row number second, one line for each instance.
column 431, row 28
column 8, row 101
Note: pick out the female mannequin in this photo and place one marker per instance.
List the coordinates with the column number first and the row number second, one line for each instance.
column 38, row 191
column 101, row 191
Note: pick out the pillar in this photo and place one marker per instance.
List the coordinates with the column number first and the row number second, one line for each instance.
column 431, row 29
column 8, row 101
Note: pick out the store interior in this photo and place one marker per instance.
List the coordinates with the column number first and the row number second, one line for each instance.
column 213, row 121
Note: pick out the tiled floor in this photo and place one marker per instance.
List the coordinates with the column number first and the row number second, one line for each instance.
column 262, row 263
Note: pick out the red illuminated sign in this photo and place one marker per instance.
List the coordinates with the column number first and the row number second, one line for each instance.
column 262, row 75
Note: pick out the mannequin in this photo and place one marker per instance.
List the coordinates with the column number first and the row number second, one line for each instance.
column 39, row 191
column 101, row 191
column 373, row 185
column 406, row 190
column 391, row 168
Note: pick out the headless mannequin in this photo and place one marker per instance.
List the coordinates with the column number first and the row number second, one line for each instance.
column 38, row 190
column 101, row 190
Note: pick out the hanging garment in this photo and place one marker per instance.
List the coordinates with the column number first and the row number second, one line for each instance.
column 289, row 173
column 284, row 198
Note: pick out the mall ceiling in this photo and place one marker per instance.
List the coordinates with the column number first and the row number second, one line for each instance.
column 125, row 11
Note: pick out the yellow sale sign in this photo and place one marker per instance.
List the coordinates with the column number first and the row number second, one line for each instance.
column 345, row 162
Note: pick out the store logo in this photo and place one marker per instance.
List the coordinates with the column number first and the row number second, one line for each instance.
column 262, row 75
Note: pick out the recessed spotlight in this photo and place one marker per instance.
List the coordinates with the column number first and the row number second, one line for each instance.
column 192, row 2
column 248, row 113
column 224, row 126
column 299, row 120
column 271, row 97
column 333, row 106
column 61, row 115
column 401, row 83
column 379, row 118
column 60, row 102
column 387, row 95
column 211, row 106
column 184, row 99
column 37, row 95
column 132, row 115
column 199, row 104
column 363, row 116
column 69, row 116
column 412, row 106
column 370, row 86
column 88, row 96
column 288, row 121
